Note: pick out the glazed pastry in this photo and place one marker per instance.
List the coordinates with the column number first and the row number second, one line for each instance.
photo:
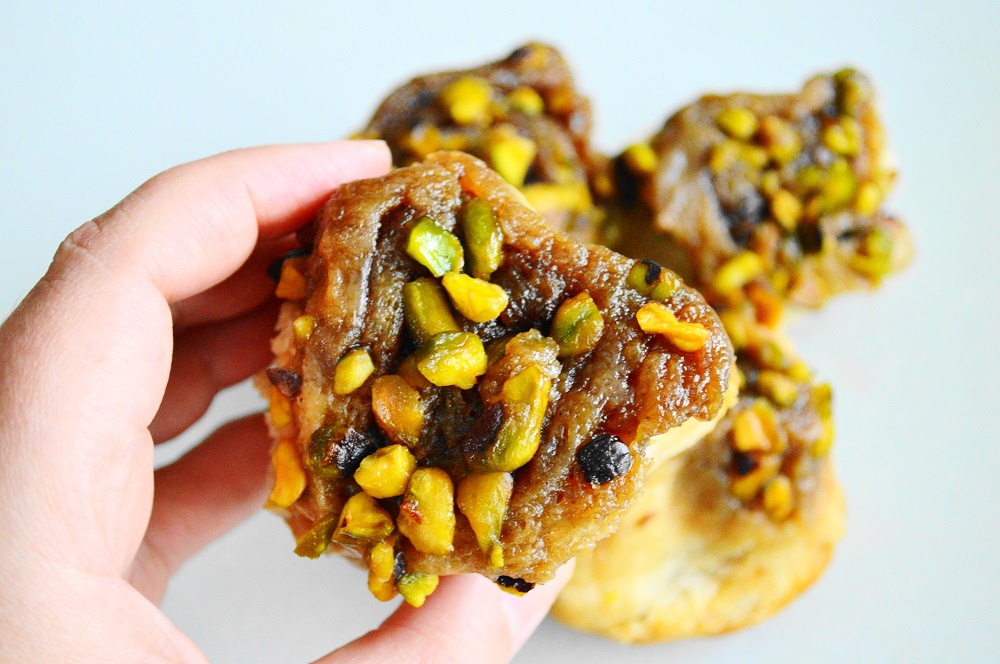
column 521, row 115
column 781, row 193
column 458, row 388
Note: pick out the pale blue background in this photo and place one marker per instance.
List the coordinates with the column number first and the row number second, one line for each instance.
column 94, row 99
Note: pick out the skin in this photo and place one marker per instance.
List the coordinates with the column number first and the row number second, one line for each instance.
column 143, row 316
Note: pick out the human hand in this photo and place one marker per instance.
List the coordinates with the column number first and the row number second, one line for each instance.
column 143, row 316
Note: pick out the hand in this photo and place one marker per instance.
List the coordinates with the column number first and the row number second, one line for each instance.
column 144, row 314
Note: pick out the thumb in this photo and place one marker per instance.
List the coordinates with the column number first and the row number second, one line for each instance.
column 467, row 619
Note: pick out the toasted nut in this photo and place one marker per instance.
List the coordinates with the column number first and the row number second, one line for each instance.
column 483, row 499
column 483, row 237
column 303, row 327
column 477, row 300
column 875, row 254
column 510, row 154
column 467, row 100
column 724, row 154
column 427, row 513
column 385, row 473
column 787, row 209
column 577, row 325
column 810, row 177
column 289, row 477
column 854, row 91
column 824, row 443
column 313, row 542
column 548, row 198
column 643, row 276
column 526, row 100
column 416, row 587
column 407, row 370
column 514, row 586
column 525, row 398
column 381, row 589
column 748, row 486
column 352, row 371
column 330, row 458
column 279, row 408
column 292, row 284
column 778, row 387
column 426, row 310
column 422, row 140
column 382, row 558
column 778, row 499
column 604, row 458
column 737, row 122
column 800, row 371
column 398, row 411
column 656, row 318
column 839, row 188
column 780, row 138
column 737, row 271
column 435, row 248
column 452, row 358
column 362, row 520
column 755, row 429
column 867, row 200
column 770, row 182
column 640, row 158
column 753, row 156
column 737, row 327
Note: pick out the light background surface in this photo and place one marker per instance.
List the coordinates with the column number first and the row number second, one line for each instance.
column 94, row 99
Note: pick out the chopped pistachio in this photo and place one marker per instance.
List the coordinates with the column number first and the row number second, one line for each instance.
column 279, row 408
column 737, row 327
column 483, row 499
column 778, row 499
column 483, row 237
column 426, row 310
column 853, row 91
column 467, row 100
column 840, row 185
column 755, row 429
column 780, row 138
column 385, row 473
column 748, row 486
column 770, row 182
column 656, row 318
column 292, row 284
column 427, row 513
column 724, row 155
column 737, row 271
column 640, row 158
column 352, row 371
column 407, row 370
column 526, row 100
column 874, row 257
column 787, row 209
column 362, row 520
column 303, row 327
column 382, row 558
column 843, row 137
column 434, row 247
column 289, row 476
column 753, row 156
column 867, row 200
column 398, row 410
column 643, row 276
column 382, row 590
column 547, row 197
column 452, row 358
column 422, row 140
column 737, row 122
column 477, row 300
column 781, row 389
column 525, row 397
column 822, row 446
column 416, row 587
column 577, row 325
column 313, row 542
column 510, row 154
